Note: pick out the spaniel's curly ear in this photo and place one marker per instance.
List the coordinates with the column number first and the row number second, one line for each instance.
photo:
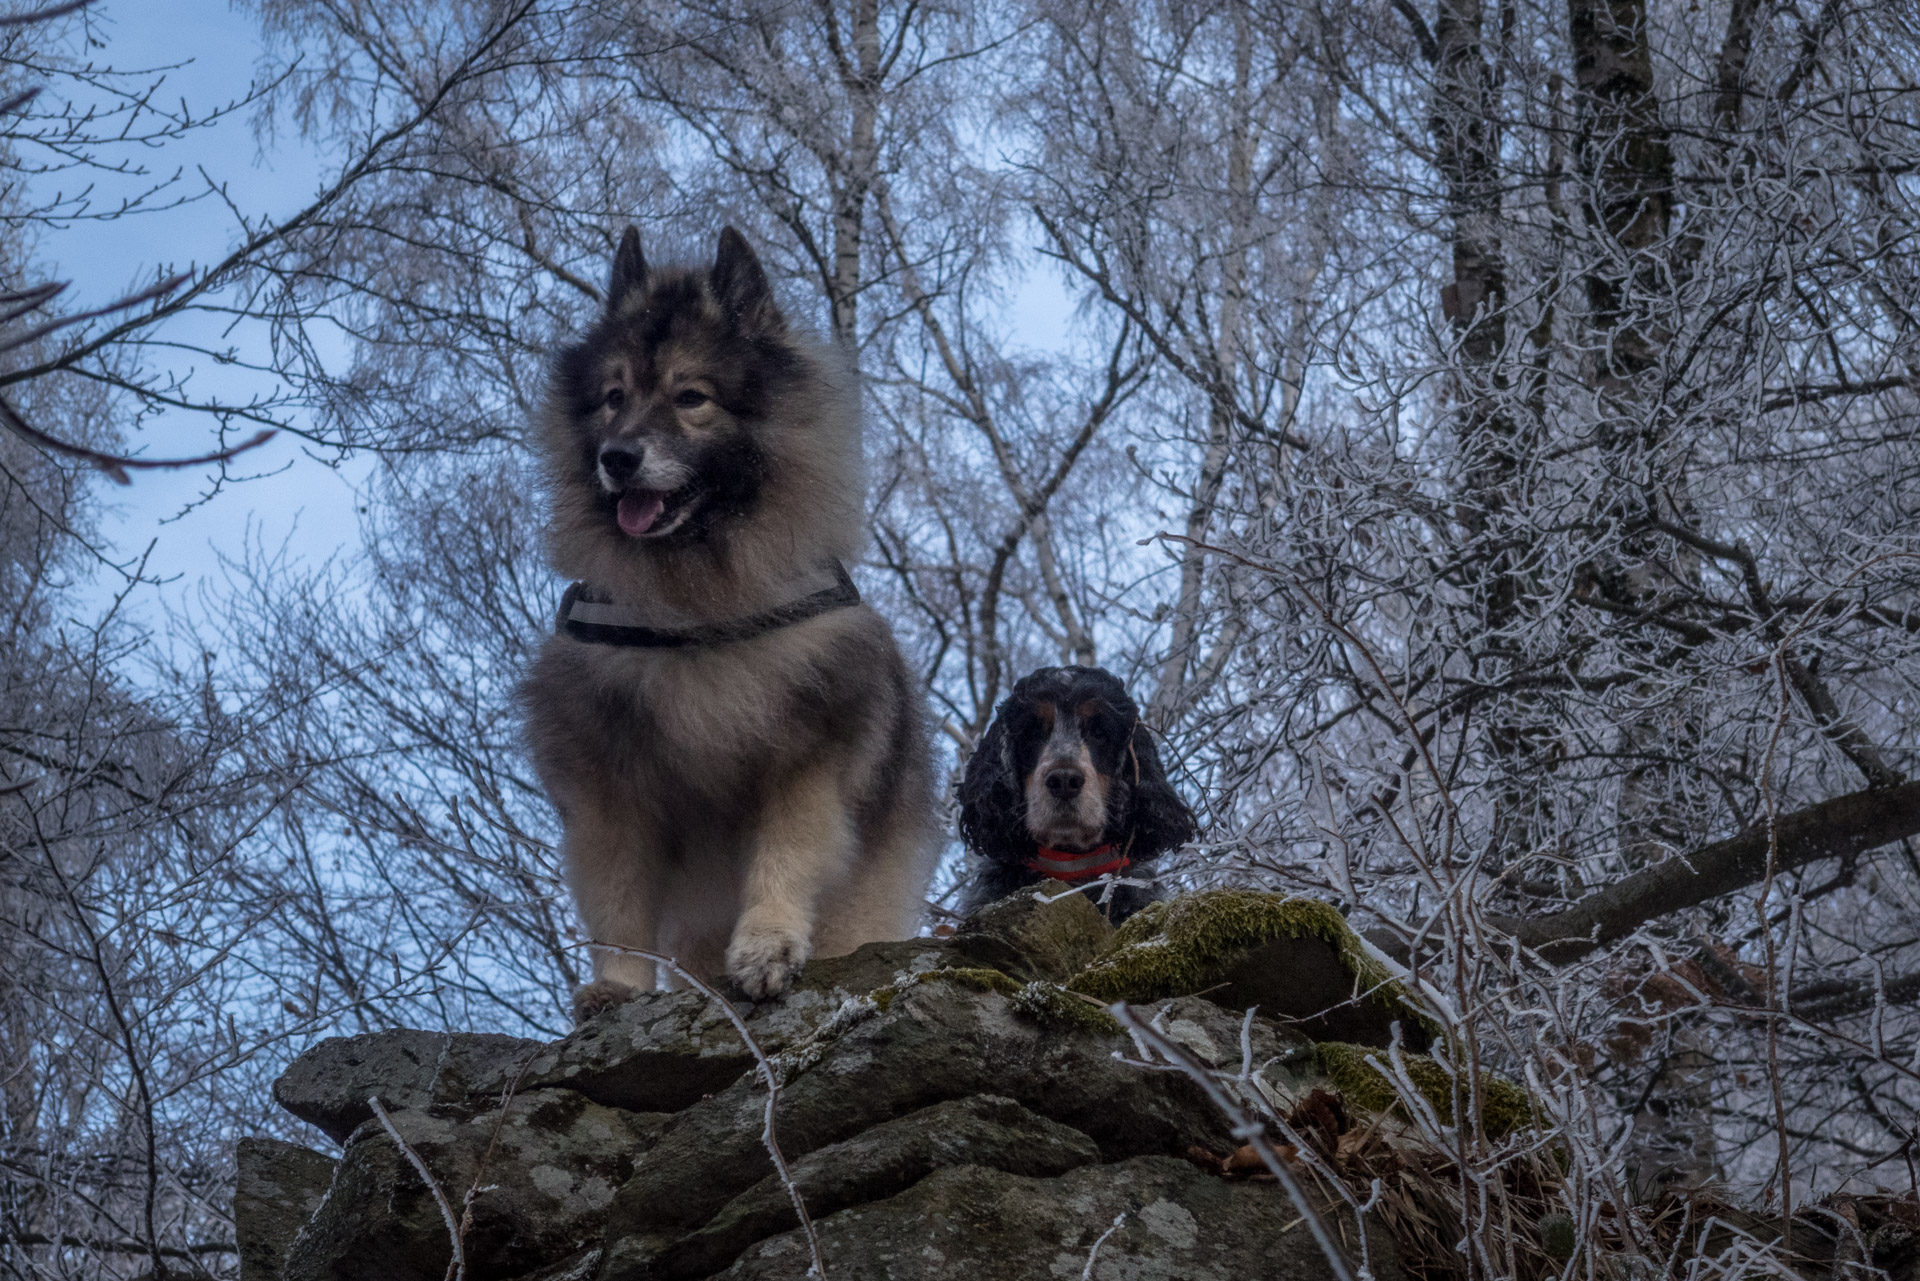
column 992, row 806
column 1160, row 820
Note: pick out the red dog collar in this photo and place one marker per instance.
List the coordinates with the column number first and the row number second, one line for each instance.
column 1062, row 865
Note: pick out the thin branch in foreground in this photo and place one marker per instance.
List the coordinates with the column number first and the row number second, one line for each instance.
column 109, row 1246
column 768, row 1137
column 1243, row 1127
column 457, row 1266
column 152, row 292
column 478, row 1185
column 116, row 466
column 18, row 302
column 47, row 14
column 1093, row 1255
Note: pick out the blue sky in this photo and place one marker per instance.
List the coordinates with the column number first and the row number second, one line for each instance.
column 212, row 49
column 209, row 49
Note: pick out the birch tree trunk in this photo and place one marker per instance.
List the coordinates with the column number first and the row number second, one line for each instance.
column 1222, row 364
column 1627, row 163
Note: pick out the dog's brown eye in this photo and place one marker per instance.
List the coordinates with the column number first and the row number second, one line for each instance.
column 691, row 399
column 616, row 397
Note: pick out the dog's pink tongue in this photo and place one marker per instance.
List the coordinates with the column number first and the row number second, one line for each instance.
column 639, row 508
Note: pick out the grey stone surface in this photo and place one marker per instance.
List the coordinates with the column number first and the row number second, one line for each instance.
column 873, row 965
column 871, row 1166
column 329, row 1084
column 1221, row 1038
column 937, row 1123
column 935, row 1041
column 972, row 1221
column 546, row 1169
column 655, row 1053
column 1031, row 939
column 277, row 1187
column 575, row 1267
column 661, row 1051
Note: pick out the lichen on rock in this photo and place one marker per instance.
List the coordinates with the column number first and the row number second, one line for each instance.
column 795, row 1059
column 1504, row 1106
column 975, row 979
column 1044, row 1002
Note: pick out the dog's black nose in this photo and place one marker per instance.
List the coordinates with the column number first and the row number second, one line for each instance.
column 619, row 462
column 1065, row 782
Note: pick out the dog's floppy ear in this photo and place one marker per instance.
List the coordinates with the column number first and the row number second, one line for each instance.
column 740, row 283
column 1160, row 820
column 629, row 269
column 991, row 804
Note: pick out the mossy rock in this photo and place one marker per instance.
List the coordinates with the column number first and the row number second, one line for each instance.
column 1295, row 958
column 1504, row 1106
column 1045, row 931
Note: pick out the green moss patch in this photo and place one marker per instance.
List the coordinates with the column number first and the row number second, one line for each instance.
column 1054, row 1005
column 1504, row 1106
column 1182, row 946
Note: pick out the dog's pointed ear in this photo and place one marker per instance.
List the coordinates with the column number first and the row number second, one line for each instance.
column 740, row 283
column 629, row 269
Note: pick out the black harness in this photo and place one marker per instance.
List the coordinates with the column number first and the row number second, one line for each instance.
column 589, row 616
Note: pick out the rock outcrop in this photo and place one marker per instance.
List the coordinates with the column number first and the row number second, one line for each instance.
column 280, row 1185
column 960, row 1107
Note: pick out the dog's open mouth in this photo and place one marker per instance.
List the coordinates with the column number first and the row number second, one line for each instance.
column 639, row 509
column 643, row 513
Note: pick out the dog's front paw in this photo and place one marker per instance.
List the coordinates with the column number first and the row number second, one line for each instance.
column 601, row 994
column 762, row 960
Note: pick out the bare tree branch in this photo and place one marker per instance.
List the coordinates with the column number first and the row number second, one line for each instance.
column 1845, row 825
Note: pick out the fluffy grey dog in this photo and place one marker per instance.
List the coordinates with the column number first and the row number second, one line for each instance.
column 732, row 739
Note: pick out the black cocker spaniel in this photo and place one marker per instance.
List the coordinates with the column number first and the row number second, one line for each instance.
column 1067, row 783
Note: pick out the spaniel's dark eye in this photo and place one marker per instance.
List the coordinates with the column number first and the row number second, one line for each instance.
column 691, row 399
column 616, row 397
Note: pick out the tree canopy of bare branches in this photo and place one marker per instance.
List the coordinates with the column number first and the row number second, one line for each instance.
column 1484, row 435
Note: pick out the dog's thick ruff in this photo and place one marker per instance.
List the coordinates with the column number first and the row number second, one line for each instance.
column 738, row 805
column 1066, row 762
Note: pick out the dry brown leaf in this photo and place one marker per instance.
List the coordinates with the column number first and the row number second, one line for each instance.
column 1321, row 1117
column 1350, row 1145
column 1245, row 1161
column 1206, row 1160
